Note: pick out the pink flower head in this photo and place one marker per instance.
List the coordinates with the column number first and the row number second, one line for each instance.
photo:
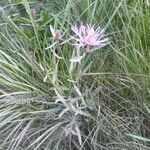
column 89, row 36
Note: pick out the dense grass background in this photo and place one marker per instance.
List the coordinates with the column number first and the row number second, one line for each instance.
column 114, row 81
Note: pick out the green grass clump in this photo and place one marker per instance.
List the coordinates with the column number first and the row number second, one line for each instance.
column 47, row 102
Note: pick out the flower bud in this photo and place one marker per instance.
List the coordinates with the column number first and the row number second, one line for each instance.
column 55, row 33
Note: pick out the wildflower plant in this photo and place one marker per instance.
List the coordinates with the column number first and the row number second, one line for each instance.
column 86, row 38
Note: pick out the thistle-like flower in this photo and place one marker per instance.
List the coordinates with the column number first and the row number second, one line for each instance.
column 89, row 37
